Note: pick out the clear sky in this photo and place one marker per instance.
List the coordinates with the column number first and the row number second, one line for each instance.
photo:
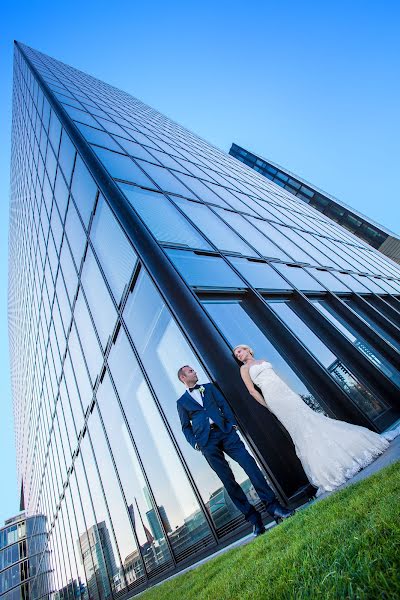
column 314, row 86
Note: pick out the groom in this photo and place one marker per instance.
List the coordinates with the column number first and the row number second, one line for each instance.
column 209, row 426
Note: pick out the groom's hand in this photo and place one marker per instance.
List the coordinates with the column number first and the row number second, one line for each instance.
column 197, row 447
column 236, row 427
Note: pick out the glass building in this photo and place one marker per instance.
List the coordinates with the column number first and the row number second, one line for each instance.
column 374, row 234
column 25, row 569
column 137, row 247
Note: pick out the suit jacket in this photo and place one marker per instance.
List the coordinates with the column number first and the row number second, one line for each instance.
column 195, row 419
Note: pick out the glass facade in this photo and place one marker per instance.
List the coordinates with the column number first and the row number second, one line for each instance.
column 372, row 233
column 137, row 247
column 25, row 569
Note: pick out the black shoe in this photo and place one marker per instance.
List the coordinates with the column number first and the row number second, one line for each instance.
column 259, row 529
column 281, row 513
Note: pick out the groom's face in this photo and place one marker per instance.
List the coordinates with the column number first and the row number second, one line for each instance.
column 189, row 377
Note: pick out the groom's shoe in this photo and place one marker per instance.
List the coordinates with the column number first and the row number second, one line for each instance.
column 281, row 513
column 259, row 529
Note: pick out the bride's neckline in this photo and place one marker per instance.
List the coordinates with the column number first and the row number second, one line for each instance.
column 263, row 362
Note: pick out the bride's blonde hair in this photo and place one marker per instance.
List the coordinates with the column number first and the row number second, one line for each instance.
column 245, row 347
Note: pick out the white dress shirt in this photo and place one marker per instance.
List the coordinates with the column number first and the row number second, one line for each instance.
column 196, row 395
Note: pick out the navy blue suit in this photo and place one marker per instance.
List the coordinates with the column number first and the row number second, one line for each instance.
column 213, row 442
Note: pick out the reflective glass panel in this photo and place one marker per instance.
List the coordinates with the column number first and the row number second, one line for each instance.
column 359, row 341
column 371, row 405
column 260, row 275
column 214, row 228
column 113, row 249
column 154, row 339
column 204, row 271
column 122, row 167
column 98, row 298
column 184, row 521
column 84, row 190
column 164, row 221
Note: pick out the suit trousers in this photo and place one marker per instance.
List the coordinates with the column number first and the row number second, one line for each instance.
column 230, row 443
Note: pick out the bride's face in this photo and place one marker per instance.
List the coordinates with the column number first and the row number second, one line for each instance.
column 242, row 354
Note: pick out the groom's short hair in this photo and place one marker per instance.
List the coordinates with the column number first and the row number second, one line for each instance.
column 180, row 371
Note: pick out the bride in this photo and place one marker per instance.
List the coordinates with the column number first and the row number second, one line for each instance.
column 330, row 451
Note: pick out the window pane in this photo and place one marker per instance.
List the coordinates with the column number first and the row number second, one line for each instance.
column 357, row 340
column 161, row 217
column 88, row 338
column 238, row 327
column 372, row 323
column 184, row 521
column 122, row 167
column 95, row 136
column 299, row 277
column 280, row 240
column 67, row 156
column 215, row 229
column 84, row 190
column 204, row 271
column 253, row 235
column 371, row 405
column 143, row 510
column 154, row 339
column 260, row 275
column 166, row 180
column 113, row 249
column 115, row 502
column 99, row 300
column 75, row 233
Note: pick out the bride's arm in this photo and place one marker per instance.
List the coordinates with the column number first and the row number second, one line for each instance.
column 250, row 386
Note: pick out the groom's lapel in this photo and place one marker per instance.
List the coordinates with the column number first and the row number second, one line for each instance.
column 190, row 400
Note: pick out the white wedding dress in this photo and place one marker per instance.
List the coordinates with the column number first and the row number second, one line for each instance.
column 330, row 451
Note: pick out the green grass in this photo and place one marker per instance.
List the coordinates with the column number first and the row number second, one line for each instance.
column 346, row 546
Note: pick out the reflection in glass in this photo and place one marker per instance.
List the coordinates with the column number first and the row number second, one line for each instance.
column 113, row 249
column 122, row 167
column 100, row 535
column 261, row 243
column 119, row 512
column 161, row 217
column 88, row 545
column 154, row 339
column 98, row 298
column 204, row 271
column 67, row 156
column 143, row 511
column 84, row 190
column 299, row 277
column 238, row 327
column 216, row 230
column 372, row 323
column 359, row 341
column 187, row 526
column 260, row 275
column 371, row 405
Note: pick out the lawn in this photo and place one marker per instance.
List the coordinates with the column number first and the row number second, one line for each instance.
column 346, row 546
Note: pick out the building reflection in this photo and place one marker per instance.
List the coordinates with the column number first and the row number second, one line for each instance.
column 98, row 560
column 74, row 590
column 360, row 394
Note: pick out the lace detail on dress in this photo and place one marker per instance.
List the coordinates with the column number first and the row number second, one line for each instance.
column 330, row 451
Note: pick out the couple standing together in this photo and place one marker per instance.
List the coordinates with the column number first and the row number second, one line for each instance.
column 330, row 451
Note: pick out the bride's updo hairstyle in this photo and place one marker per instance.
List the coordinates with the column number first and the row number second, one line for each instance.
column 245, row 347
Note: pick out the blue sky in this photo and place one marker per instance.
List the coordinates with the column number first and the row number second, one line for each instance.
column 312, row 86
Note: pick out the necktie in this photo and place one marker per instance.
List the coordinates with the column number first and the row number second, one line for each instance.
column 195, row 387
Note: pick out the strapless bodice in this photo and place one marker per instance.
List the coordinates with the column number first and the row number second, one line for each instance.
column 260, row 371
